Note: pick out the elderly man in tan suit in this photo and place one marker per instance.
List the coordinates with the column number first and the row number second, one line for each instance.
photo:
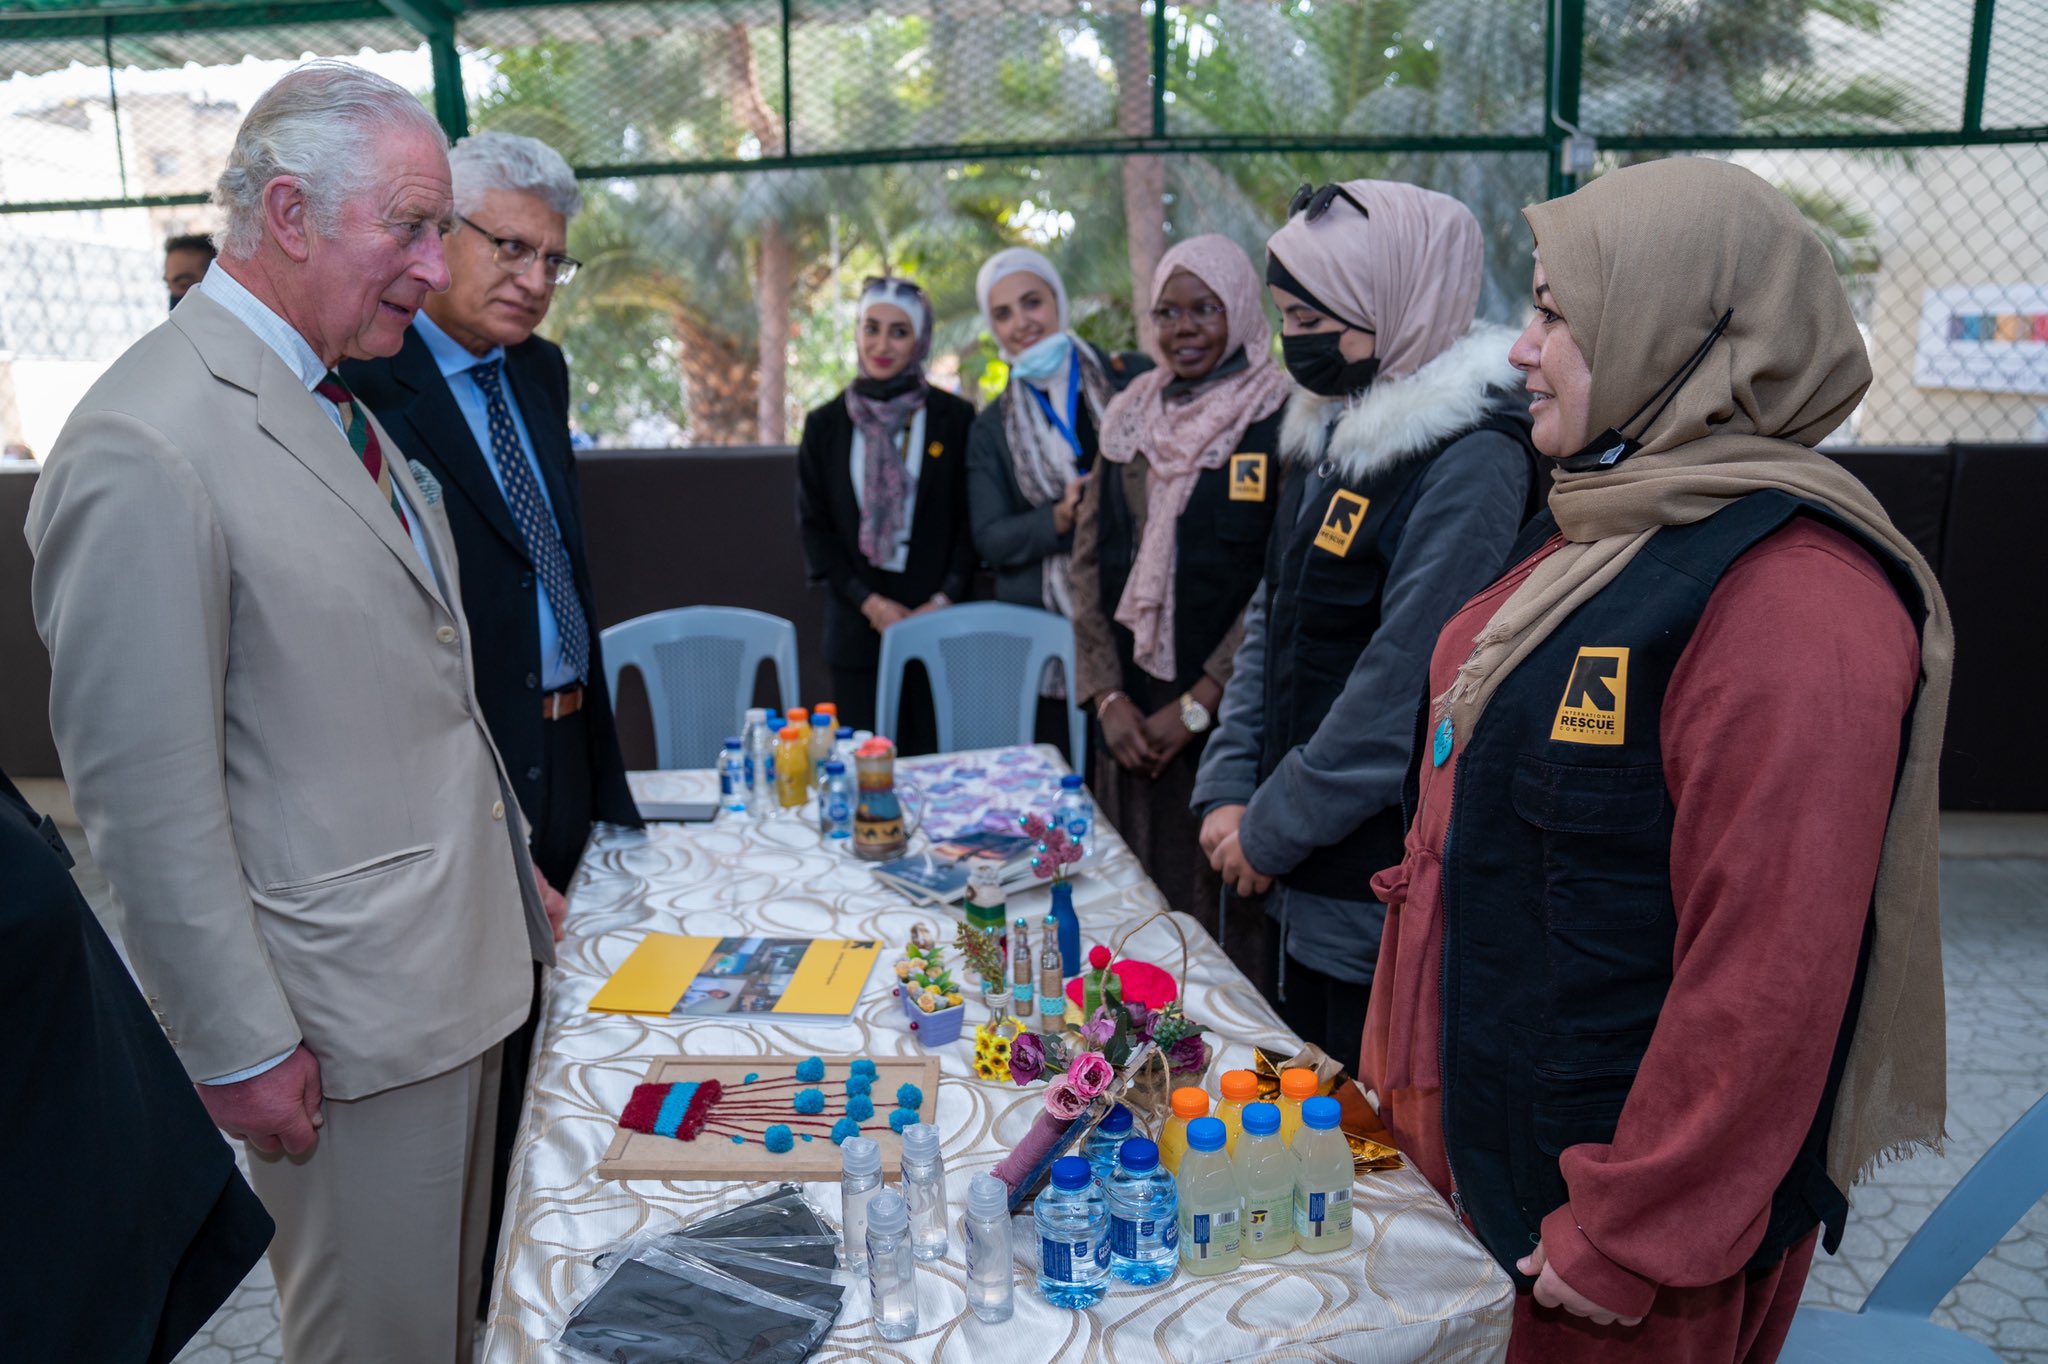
column 263, row 703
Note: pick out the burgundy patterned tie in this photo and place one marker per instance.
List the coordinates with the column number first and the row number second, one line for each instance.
column 355, row 424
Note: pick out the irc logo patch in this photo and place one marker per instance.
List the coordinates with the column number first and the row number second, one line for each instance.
column 1341, row 520
column 1247, row 477
column 1595, row 705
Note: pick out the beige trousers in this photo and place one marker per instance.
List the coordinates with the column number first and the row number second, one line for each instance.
column 380, row 1227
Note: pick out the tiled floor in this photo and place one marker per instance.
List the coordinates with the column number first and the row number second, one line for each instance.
column 1995, row 933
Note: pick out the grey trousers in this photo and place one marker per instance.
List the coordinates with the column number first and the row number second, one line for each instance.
column 380, row 1227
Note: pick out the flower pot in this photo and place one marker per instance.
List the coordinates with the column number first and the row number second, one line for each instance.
column 934, row 1029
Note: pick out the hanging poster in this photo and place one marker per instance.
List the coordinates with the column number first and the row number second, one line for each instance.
column 1991, row 338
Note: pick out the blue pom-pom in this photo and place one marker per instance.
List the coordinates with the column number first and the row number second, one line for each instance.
column 909, row 1096
column 859, row 1084
column 860, row 1108
column 738, row 1140
column 902, row 1118
column 810, row 1068
column 844, row 1128
column 809, row 1101
column 805, row 1135
column 863, row 1067
column 778, row 1139
column 752, row 1076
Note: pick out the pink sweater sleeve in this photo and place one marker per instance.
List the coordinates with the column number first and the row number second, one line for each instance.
column 1781, row 732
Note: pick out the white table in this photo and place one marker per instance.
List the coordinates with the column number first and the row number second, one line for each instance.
column 1413, row 1285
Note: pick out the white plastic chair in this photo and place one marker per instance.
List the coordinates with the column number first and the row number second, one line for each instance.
column 1892, row 1326
column 698, row 664
column 984, row 660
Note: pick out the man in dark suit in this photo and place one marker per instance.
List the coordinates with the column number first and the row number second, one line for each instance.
column 480, row 407
column 483, row 405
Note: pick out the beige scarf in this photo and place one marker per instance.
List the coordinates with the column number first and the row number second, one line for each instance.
column 1642, row 263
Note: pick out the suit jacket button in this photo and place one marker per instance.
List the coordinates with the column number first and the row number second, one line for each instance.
column 532, row 681
column 497, row 809
column 446, row 634
column 533, row 774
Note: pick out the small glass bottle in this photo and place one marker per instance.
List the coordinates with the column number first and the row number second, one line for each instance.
column 1023, row 966
column 991, row 1274
column 1023, row 999
column 924, row 1188
column 892, row 1275
column 860, row 1164
column 1052, row 986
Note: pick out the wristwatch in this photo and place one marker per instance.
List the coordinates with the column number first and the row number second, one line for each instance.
column 1194, row 714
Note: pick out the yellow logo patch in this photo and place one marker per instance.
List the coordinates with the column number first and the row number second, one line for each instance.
column 1341, row 520
column 1595, row 705
column 1247, row 477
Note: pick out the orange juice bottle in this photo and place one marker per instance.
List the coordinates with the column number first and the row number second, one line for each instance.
column 1189, row 1103
column 1296, row 1085
column 792, row 768
column 1240, row 1087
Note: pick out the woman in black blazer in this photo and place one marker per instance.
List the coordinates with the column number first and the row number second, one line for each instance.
column 888, row 537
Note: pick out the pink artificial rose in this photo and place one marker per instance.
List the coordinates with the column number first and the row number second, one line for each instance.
column 1099, row 1029
column 1064, row 1099
column 1091, row 1073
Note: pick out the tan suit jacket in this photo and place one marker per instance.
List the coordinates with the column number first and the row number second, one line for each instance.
column 263, row 703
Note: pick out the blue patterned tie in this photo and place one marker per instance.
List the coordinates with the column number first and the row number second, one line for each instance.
column 530, row 513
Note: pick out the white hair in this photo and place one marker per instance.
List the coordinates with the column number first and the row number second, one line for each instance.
column 483, row 162
column 318, row 125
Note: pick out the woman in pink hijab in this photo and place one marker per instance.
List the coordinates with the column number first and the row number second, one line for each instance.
column 1168, row 547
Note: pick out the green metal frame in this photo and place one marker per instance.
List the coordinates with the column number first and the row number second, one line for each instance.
column 436, row 23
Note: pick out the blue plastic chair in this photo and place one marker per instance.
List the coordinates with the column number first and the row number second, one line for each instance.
column 984, row 660
column 1892, row 1326
column 698, row 664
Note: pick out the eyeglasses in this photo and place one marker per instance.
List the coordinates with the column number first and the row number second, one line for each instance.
column 516, row 257
column 1317, row 201
column 1167, row 315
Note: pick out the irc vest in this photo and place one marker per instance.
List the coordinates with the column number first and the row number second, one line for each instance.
column 1559, row 925
column 1325, row 572
column 1219, row 547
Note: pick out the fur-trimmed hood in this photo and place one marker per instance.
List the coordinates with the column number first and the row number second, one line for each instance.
column 1392, row 421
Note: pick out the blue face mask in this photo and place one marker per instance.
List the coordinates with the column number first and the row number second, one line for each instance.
column 1042, row 358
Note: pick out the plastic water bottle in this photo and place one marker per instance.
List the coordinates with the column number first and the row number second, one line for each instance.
column 1102, row 1143
column 820, row 739
column 924, row 1188
column 1074, row 811
column 757, row 746
column 732, row 778
column 1211, row 1204
column 842, row 746
column 1072, row 1221
column 1265, row 1171
column 991, row 1277
column 1322, row 1180
column 1144, row 1208
column 892, row 1278
column 860, row 1164
column 835, row 804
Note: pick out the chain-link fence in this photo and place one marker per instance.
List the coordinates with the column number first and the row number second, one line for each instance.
column 749, row 161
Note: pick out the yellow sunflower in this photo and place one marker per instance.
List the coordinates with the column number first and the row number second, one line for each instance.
column 987, row 1069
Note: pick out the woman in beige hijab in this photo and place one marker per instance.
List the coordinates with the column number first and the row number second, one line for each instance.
column 1665, row 976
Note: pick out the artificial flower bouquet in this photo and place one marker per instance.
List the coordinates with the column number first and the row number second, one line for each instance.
column 932, row 1000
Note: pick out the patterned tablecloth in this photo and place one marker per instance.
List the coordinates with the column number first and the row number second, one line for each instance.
column 1413, row 1285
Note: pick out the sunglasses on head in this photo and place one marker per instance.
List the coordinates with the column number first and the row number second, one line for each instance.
column 1316, row 202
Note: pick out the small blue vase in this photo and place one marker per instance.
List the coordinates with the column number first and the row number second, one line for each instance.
column 1070, row 928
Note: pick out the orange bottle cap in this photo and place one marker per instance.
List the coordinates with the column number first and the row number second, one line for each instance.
column 1190, row 1103
column 826, row 708
column 1299, row 1083
column 790, row 732
column 799, row 716
column 1240, row 1086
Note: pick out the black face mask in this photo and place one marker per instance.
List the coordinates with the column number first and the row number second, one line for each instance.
column 1611, row 447
column 1320, row 367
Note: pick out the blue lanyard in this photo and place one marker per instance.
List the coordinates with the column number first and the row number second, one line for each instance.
column 1073, row 420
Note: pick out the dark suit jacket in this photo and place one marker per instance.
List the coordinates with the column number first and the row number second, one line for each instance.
column 941, row 555
column 499, row 588
column 131, row 1223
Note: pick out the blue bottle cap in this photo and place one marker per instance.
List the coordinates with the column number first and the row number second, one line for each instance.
column 1320, row 1113
column 732, row 743
column 1139, row 1155
column 1117, row 1120
column 845, row 732
column 835, row 768
column 821, row 722
column 1261, row 1119
column 1070, row 782
column 1207, row 1134
column 1071, row 1173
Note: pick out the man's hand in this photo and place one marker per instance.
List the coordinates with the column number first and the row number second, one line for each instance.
column 1236, row 869
column 882, row 612
column 1218, row 824
column 1553, row 1291
column 551, row 901
column 279, row 1108
column 1166, row 734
